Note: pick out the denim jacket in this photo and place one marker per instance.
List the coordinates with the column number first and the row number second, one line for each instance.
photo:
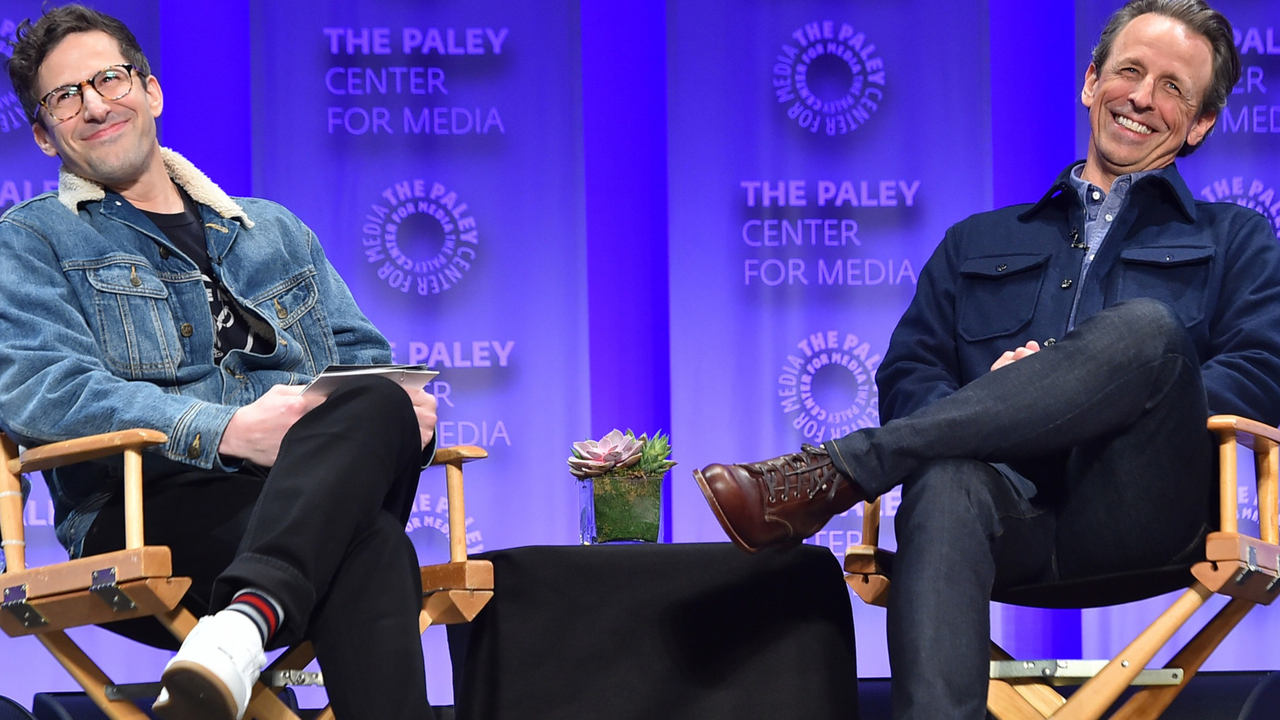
column 1004, row 277
column 106, row 324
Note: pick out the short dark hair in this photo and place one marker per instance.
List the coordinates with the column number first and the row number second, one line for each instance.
column 34, row 42
column 1200, row 18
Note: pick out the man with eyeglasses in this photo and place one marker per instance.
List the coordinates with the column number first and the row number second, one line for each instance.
column 141, row 295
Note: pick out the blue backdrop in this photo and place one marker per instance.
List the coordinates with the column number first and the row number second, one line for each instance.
column 704, row 217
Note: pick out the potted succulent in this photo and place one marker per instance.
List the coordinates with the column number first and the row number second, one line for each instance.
column 621, row 486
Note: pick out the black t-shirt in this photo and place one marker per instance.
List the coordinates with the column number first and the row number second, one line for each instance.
column 234, row 327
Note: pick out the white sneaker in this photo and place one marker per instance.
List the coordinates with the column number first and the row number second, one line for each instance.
column 213, row 673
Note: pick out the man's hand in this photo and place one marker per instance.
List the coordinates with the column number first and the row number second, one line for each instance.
column 1011, row 356
column 424, row 406
column 256, row 430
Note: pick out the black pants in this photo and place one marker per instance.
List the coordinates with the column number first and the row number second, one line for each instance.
column 322, row 531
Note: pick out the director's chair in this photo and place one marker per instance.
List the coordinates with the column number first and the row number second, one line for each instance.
column 1242, row 567
column 138, row 581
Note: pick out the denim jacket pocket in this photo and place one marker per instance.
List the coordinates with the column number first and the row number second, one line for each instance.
column 997, row 294
column 130, row 316
column 294, row 306
column 1174, row 275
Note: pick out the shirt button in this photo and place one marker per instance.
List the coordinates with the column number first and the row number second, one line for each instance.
column 186, row 330
column 1066, row 283
column 1097, row 195
column 1001, row 267
column 1108, row 217
column 1051, row 341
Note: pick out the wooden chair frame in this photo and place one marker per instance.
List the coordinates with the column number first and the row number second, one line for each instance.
column 1242, row 567
column 138, row 580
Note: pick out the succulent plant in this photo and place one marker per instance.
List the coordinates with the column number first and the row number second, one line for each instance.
column 619, row 454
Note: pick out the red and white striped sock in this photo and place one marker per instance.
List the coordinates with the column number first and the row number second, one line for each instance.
column 261, row 608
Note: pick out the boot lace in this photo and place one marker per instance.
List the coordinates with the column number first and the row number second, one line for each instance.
column 798, row 475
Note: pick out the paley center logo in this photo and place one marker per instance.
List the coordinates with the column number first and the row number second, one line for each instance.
column 830, row 80
column 826, row 386
column 1252, row 193
column 11, row 116
column 431, row 512
column 420, row 237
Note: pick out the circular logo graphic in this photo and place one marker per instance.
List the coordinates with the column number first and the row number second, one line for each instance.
column 8, row 36
column 830, row 79
column 429, row 522
column 11, row 116
column 420, row 237
column 827, row 388
column 1253, row 194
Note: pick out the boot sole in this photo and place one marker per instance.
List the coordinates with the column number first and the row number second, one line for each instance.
column 195, row 694
column 715, row 509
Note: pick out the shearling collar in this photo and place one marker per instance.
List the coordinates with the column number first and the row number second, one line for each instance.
column 73, row 189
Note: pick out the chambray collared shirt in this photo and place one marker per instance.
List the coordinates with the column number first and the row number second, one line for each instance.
column 1100, row 209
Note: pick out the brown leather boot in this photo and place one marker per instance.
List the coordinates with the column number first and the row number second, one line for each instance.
column 779, row 501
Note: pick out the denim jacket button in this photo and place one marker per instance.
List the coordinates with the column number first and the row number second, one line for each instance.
column 164, row 253
column 186, row 330
column 193, row 451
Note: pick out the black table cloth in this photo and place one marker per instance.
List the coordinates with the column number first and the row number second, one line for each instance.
column 666, row 631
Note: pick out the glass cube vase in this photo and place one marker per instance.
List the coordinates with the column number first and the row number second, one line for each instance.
column 620, row 509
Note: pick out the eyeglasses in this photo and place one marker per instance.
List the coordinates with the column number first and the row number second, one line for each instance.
column 112, row 83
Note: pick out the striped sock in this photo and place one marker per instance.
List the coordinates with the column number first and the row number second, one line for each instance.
column 261, row 608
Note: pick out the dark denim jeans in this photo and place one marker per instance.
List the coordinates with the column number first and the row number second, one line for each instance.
column 1108, row 427
column 322, row 531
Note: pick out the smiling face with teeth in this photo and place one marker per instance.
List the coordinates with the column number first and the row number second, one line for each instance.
column 1144, row 103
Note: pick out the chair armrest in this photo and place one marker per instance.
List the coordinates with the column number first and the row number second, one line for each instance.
column 92, row 447
column 866, row 565
column 1246, row 430
column 1264, row 440
column 458, row 454
column 1236, row 564
column 67, row 452
column 453, row 459
column 871, row 522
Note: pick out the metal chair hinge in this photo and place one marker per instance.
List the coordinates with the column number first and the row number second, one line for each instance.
column 1073, row 672
column 285, row 678
column 103, row 585
column 1250, row 561
column 133, row 691
column 15, row 602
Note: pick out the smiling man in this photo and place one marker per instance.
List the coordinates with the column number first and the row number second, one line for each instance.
column 142, row 295
column 1044, row 396
column 1147, row 93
